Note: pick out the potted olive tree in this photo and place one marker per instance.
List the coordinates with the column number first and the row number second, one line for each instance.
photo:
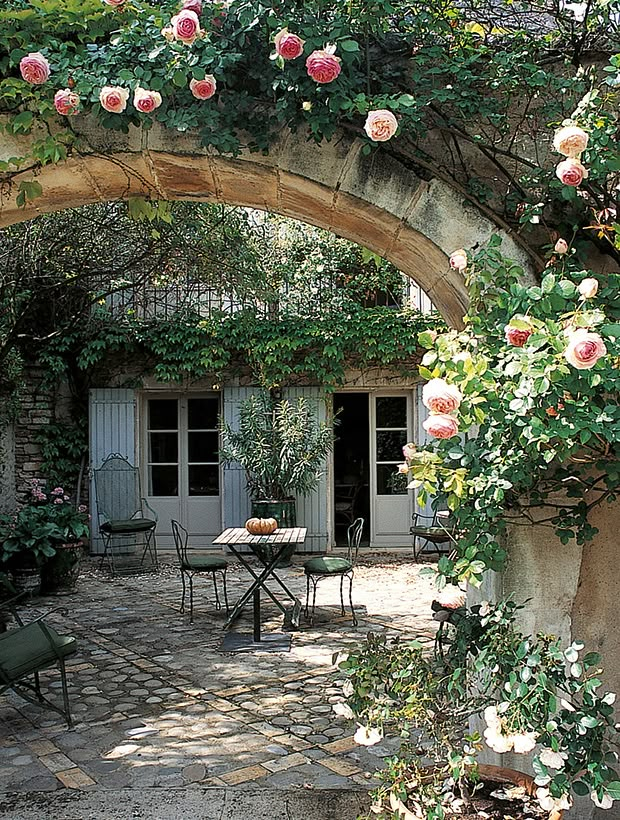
column 282, row 448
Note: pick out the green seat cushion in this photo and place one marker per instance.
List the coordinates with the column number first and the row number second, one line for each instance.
column 27, row 649
column 205, row 563
column 327, row 565
column 431, row 533
column 128, row 525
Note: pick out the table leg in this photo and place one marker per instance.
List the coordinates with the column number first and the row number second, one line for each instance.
column 257, row 616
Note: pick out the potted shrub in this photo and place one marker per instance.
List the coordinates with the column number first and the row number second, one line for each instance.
column 42, row 540
column 531, row 694
column 282, row 449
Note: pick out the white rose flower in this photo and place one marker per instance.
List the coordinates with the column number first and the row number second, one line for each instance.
column 497, row 741
column 523, row 743
column 550, row 803
column 606, row 803
column 344, row 710
column 367, row 736
column 490, row 716
column 554, row 760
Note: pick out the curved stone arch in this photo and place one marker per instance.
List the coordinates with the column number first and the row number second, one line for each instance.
column 373, row 200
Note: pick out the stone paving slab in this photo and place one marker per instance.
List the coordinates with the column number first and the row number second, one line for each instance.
column 158, row 705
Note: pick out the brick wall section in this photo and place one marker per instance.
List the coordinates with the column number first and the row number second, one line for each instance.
column 36, row 411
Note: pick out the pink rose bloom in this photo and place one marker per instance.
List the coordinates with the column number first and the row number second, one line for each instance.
column 114, row 2
column 193, row 5
column 146, row 101
column 561, row 247
column 439, row 425
column 571, row 172
column 588, row 288
column 458, row 260
column 288, row 46
column 441, row 397
column 66, row 102
column 323, row 66
column 570, row 141
column 380, row 125
column 34, row 68
column 186, row 26
column 409, row 450
column 451, row 597
column 113, row 98
column 403, row 469
column 584, row 349
column 515, row 336
column 203, row 89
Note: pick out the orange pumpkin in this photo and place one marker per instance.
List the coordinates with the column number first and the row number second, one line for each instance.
column 261, row 526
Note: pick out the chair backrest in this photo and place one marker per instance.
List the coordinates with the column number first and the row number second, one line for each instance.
column 118, row 489
column 354, row 537
column 181, row 538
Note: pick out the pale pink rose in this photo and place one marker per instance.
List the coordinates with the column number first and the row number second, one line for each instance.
column 114, row 2
column 409, row 450
column 561, row 247
column 440, row 425
column 451, row 597
column 551, row 759
column 323, row 66
column 146, row 101
column 288, row 46
column 34, row 68
column 203, row 89
column 571, row 172
column 584, row 349
column 516, row 336
column 113, row 98
column 186, row 26
column 403, row 469
column 193, row 5
column 380, row 125
column 588, row 288
column 441, row 397
column 570, row 141
column 458, row 260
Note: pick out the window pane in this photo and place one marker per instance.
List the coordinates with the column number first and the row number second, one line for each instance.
column 164, row 481
column 392, row 411
column 390, row 444
column 202, row 447
column 389, row 481
column 163, row 447
column 163, row 414
column 202, row 414
column 204, row 479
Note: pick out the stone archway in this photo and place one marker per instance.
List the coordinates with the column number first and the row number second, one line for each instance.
column 372, row 200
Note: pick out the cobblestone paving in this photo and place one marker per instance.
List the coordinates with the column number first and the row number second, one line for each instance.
column 156, row 702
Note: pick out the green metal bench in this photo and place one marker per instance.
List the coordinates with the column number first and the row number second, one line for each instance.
column 25, row 650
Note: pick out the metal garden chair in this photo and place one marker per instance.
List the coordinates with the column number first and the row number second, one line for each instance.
column 121, row 512
column 195, row 565
column 331, row 566
column 25, row 650
column 434, row 531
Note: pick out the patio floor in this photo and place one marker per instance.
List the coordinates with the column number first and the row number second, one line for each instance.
column 157, row 704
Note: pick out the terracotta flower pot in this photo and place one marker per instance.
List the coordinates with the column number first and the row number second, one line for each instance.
column 499, row 774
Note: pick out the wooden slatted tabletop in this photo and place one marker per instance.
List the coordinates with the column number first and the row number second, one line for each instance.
column 283, row 535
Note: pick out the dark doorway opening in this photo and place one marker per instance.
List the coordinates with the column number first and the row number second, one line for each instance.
column 351, row 464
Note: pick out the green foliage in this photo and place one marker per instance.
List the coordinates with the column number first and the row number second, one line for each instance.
column 531, row 690
column 64, row 446
column 279, row 444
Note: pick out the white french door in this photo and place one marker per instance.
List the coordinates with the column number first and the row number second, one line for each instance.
column 391, row 426
column 180, row 464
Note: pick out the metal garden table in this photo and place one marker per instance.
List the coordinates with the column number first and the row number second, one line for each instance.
column 269, row 550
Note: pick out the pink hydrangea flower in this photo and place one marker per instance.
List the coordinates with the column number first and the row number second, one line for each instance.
column 571, row 172
column 66, row 102
column 288, row 46
column 203, row 89
column 113, row 98
column 380, row 125
column 58, row 501
column 440, row 425
column 323, row 66
column 34, row 68
column 186, row 26
column 58, row 491
column 584, row 349
column 441, row 397
column 146, row 101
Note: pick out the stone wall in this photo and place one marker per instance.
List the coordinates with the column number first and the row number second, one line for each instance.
column 36, row 411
